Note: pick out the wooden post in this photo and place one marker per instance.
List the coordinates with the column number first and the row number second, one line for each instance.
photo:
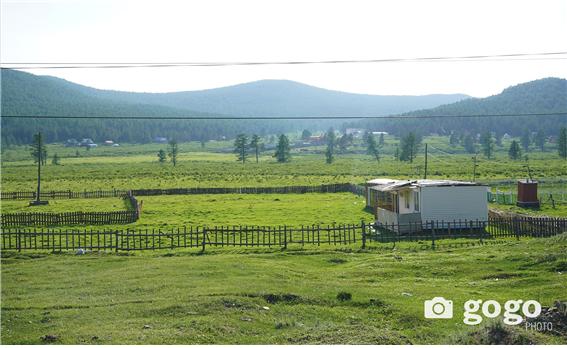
column 204, row 241
column 363, row 225
column 432, row 235
column 285, row 237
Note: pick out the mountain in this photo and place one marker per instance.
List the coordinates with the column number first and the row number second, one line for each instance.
column 282, row 98
column 25, row 94
column 548, row 95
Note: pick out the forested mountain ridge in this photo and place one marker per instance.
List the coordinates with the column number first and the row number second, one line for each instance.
column 548, row 95
column 283, row 98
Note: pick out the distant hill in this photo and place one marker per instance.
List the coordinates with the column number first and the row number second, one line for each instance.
column 548, row 95
column 282, row 98
column 25, row 94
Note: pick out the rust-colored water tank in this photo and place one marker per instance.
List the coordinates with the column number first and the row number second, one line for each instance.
column 527, row 194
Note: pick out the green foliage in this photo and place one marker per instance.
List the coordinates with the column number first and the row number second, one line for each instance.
column 241, row 147
column 331, row 139
column 562, row 143
column 55, row 160
column 38, row 149
column 526, row 140
column 453, row 139
column 514, row 152
column 173, row 151
column 540, row 140
column 372, row 148
column 282, row 154
column 305, row 134
column 468, row 144
column 410, row 146
column 487, row 144
column 255, row 143
column 162, row 156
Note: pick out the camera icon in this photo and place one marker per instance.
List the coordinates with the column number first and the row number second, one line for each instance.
column 438, row 308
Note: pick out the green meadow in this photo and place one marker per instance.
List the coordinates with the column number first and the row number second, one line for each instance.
column 261, row 295
column 276, row 297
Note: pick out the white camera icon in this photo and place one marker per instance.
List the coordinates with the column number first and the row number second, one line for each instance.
column 438, row 308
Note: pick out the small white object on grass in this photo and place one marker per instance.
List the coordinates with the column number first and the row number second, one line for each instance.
column 80, row 252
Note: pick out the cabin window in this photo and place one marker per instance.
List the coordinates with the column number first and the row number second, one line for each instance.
column 416, row 200
column 406, row 198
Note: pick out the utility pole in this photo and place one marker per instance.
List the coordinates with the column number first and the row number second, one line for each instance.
column 425, row 175
column 39, row 155
column 474, row 168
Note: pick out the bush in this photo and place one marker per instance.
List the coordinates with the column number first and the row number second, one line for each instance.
column 344, row 296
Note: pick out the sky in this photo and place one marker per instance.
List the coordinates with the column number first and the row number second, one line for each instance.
column 124, row 31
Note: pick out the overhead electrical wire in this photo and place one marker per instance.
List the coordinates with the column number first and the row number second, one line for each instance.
column 114, row 65
column 387, row 117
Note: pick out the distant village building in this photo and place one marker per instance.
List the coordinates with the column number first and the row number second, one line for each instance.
column 87, row 142
column 108, row 142
column 160, row 140
column 356, row 132
column 404, row 204
column 316, row 139
column 379, row 133
column 71, row 143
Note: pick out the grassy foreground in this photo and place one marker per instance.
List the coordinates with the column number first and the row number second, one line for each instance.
column 268, row 296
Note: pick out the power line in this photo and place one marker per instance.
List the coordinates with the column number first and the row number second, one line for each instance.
column 114, row 65
column 388, row 117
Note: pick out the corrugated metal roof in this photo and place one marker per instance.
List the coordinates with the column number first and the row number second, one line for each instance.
column 394, row 185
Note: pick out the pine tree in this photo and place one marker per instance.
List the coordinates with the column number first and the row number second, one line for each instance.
column 453, row 140
column 282, row 149
column 468, row 144
column 241, row 147
column 562, row 143
column 38, row 149
column 305, row 134
column 525, row 140
column 55, row 160
column 173, row 151
column 255, row 144
column 381, row 140
column 487, row 143
column 372, row 147
column 514, row 152
column 162, row 156
column 409, row 145
column 540, row 140
column 331, row 142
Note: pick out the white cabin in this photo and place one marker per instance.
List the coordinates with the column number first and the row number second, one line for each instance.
column 415, row 204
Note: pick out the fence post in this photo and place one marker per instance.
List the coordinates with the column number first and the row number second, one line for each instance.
column 285, row 237
column 363, row 234
column 116, row 240
column 19, row 241
column 432, row 235
column 204, row 241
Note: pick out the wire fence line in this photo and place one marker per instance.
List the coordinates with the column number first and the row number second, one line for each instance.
column 326, row 188
column 361, row 235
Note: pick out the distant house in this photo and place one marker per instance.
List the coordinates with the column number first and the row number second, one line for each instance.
column 356, row 132
column 379, row 133
column 87, row 142
column 160, row 140
column 403, row 205
column 71, row 143
column 108, row 142
column 316, row 140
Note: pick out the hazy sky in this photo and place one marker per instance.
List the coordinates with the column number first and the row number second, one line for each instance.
column 216, row 30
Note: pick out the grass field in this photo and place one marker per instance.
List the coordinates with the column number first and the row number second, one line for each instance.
column 277, row 297
column 237, row 295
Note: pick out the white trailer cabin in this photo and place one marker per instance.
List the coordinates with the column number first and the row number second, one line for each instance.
column 406, row 205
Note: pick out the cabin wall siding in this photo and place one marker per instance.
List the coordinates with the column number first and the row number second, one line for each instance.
column 453, row 203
